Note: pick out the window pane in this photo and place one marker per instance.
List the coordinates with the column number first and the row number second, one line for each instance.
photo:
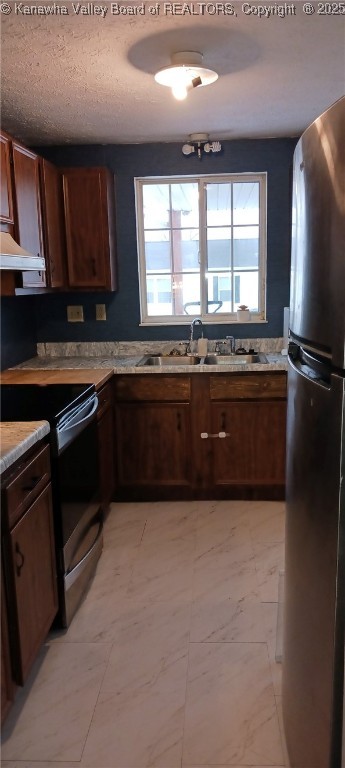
column 159, row 295
column 219, row 247
column 247, row 289
column 246, row 202
column 185, row 249
column 186, row 294
column 219, row 292
column 218, row 204
column 246, row 247
column 184, row 205
column 157, row 251
column 156, row 202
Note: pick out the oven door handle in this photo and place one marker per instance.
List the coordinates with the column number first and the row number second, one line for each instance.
column 85, row 420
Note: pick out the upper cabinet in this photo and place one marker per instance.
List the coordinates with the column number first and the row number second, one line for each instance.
column 53, row 225
column 28, row 221
column 6, row 205
column 89, row 197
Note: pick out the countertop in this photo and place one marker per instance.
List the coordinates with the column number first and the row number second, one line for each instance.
column 49, row 375
column 126, row 364
column 17, row 437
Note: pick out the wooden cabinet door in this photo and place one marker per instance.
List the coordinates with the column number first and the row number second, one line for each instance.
column 7, row 685
column 6, row 205
column 253, row 451
column 106, row 439
column 28, row 209
column 53, row 225
column 153, row 444
column 89, row 197
column 34, row 604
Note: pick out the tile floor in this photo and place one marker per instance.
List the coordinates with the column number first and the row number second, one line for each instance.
column 170, row 660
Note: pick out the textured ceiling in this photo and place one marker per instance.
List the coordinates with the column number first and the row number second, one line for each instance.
column 81, row 78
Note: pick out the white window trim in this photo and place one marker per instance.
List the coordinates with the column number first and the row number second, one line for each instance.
column 211, row 318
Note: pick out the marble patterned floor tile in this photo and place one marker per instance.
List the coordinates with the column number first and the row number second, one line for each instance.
column 222, row 548
column 171, row 522
column 267, row 521
column 164, row 572
column 235, row 578
column 136, row 729
column 124, row 537
column 227, row 621
column 270, row 616
column 51, row 716
column 231, row 716
column 151, row 649
column 225, row 514
column 269, row 561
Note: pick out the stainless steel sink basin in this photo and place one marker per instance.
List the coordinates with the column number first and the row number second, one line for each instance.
column 164, row 360
column 235, row 359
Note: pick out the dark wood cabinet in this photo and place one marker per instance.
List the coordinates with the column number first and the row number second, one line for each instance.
column 153, row 434
column 53, row 225
column 7, row 684
column 203, row 436
column 28, row 220
column 89, row 198
column 6, row 201
column 34, row 580
column 247, row 423
column 106, row 439
column 28, row 551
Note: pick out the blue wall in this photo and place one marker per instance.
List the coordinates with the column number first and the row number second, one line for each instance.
column 18, row 329
column 128, row 161
column 43, row 318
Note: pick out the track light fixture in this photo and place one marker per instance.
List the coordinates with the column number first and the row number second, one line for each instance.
column 185, row 73
column 198, row 143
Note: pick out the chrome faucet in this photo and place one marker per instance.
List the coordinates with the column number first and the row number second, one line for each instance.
column 194, row 322
column 232, row 344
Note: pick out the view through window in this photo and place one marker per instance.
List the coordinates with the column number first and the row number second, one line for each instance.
column 202, row 247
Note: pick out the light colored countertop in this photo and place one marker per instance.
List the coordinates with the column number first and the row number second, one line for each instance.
column 17, row 437
column 129, row 364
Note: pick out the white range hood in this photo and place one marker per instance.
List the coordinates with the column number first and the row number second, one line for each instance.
column 13, row 257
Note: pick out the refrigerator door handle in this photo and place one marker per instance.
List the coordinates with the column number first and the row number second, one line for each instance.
column 309, row 373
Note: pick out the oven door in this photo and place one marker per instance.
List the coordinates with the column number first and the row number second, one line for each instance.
column 77, row 507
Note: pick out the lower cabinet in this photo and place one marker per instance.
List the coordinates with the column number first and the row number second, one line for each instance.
column 32, row 563
column 106, row 442
column 201, row 436
column 153, row 430
column 7, row 684
column 29, row 569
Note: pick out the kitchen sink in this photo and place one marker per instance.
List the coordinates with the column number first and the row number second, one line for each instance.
column 163, row 360
column 235, row 359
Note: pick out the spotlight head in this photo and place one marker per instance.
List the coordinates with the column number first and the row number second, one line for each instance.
column 188, row 149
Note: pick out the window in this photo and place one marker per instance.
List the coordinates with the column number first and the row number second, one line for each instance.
column 202, row 247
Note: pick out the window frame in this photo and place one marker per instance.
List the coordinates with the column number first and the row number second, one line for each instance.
column 202, row 180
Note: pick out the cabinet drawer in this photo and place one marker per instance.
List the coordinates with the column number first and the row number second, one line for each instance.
column 27, row 484
column 105, row 399
column 248, row 386
column 151, row 388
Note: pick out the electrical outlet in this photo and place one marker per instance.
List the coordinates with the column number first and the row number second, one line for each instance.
column 101, row 312
column 75, row 314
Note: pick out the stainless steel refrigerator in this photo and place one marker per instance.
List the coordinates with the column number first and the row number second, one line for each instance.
column 313, row 650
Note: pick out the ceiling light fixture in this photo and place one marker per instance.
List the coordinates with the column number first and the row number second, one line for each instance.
column 199, row 142
column 185, row 73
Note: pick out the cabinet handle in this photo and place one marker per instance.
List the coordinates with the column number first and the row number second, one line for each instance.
column 178, row 419
column 22, row 559
column 223, row 422
column 34, row 481
column 206, row 435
